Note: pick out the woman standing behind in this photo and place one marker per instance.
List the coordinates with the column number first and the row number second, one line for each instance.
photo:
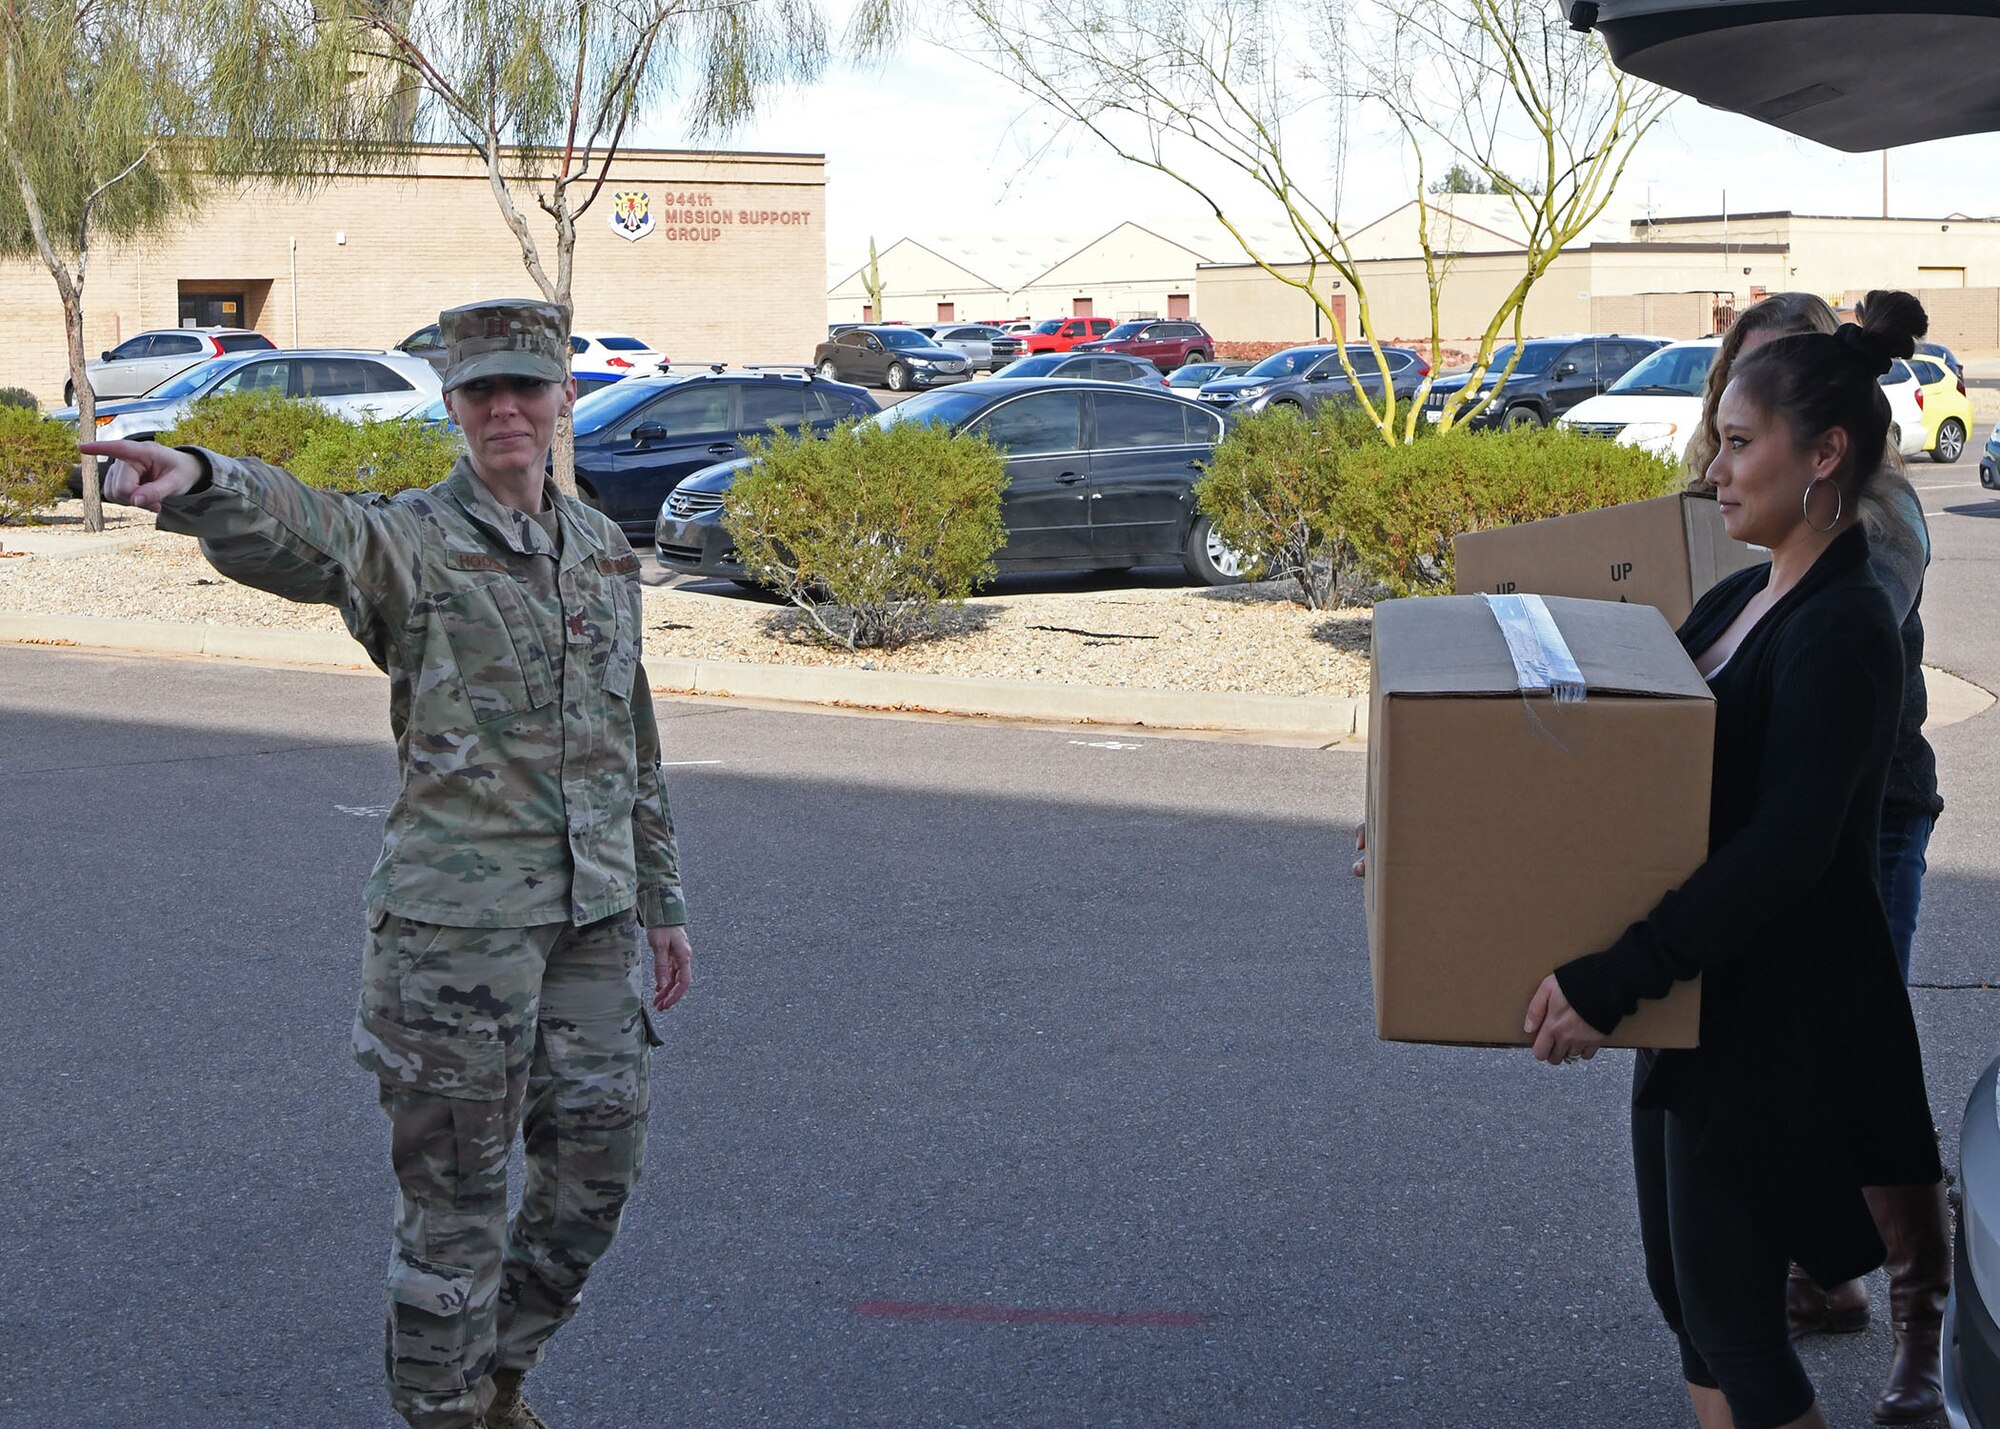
column 1911, row 1219
column 1751, row 1150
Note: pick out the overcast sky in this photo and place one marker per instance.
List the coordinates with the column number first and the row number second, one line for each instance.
column 935, row 145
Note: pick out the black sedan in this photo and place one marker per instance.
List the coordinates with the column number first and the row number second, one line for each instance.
column 899, row 358
column 636, row 440
column 1099, row 477
column 1088, row 366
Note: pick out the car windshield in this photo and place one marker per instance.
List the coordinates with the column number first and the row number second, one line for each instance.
column 953, row 407
column 1052, row 325
column 1124, row 330
column 607, row 404
column 622, row 344
column 902, row 337
column 1535, row 358
column 1193, row 374
column 1289, row 363
column 186, row 384
column 1040, row 365
column 1679, row 370
column 435, row 412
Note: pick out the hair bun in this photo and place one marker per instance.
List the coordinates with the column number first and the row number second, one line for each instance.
column 1868, row 349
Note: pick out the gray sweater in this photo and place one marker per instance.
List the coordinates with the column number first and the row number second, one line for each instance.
column 1900, row 551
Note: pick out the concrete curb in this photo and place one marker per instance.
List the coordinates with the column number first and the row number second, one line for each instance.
column 1952, row 699
column 1328, row 720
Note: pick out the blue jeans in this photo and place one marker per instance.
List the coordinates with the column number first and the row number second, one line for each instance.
column 1905, row 839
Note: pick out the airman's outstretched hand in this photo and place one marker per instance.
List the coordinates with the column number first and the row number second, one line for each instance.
column 144, row 474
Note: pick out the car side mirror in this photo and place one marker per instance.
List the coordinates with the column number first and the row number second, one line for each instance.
column 1567, row 369
column 106, row 356
column 1318, row 375
column 646, row 433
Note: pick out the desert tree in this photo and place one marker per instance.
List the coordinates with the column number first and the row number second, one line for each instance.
column 1254, row 107
column 871, row 284
column 116, row 116
column 546, row 92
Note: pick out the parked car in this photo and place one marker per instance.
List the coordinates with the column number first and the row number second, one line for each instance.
column 985, row 348
column 1553, row 375
column 1166, row 345
column 1989, row 461
column 1943, row 353
column 1061, row 334
column 1194, row 374
column 1656, row 405
column 1306, row 376
column 1971, row 1333
column 427, row 343
column 1099, row 476
column 898, row 358
column 356, row 384
column 613, row 352
column 1946, row 406
column 637, row 440
column 1089, row 366
column 142, row 363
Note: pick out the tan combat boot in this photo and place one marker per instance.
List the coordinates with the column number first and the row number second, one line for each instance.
column 508, row 1410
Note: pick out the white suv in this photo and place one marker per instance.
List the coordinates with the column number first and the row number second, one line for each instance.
column 139, row 364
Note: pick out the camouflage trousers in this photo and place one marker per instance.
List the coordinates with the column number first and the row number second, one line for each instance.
column 477, row 1035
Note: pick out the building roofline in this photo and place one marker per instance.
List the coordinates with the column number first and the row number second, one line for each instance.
column 1122, row 223
column 1813, row 217
column 1717, row 247
column 941, row 257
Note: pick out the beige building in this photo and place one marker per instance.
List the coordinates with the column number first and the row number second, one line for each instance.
column 1130, row 272
column 720, row 257
column 1676, row 277
column 938, row 280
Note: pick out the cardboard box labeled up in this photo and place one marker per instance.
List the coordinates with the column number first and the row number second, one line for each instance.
column 1510, row 831
column 1665, row 553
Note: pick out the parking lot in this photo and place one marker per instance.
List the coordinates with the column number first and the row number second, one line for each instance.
column 1029, row 1078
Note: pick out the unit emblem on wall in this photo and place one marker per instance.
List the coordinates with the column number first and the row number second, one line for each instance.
column 632, row 213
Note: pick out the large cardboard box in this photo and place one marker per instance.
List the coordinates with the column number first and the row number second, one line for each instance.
column 1513, row 826
column 1665, row 553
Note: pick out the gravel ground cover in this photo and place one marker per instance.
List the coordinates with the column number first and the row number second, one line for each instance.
column 1251, row 639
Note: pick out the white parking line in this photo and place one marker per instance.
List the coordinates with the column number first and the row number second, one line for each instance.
column 685, row 763
column 1103, row 744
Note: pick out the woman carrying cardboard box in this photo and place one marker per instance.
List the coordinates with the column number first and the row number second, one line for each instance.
column 1911, row 1219
column 1751, row 1151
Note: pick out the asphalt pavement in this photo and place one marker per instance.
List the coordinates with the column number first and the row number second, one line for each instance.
column 1028, row 1079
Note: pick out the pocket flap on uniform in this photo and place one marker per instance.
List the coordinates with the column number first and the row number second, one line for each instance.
column 440, row 1290
column 445, row 1064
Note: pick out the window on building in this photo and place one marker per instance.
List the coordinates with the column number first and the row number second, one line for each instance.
column 1080, row 308
column 947, row 312
column 1178, row 306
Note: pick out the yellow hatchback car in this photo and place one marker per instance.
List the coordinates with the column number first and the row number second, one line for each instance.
column 1947, row 410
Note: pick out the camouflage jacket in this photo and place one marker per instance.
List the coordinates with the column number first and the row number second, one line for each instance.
column 524, row 728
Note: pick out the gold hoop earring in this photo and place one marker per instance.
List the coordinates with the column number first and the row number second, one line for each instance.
column 1839, row 508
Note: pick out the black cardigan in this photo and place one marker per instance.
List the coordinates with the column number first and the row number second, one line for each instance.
column 1808, row 1084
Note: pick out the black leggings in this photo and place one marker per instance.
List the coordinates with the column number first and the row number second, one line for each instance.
column 1719, row 1283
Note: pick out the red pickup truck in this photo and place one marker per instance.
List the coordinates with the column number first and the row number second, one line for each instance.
column 1061, row 334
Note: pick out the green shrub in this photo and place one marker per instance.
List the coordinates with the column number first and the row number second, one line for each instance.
column 36, row 455
column 19, row 397
column 386, row 456
column 869, row 529
column 255, row 424
column 1273, row 490
column 1404, row 504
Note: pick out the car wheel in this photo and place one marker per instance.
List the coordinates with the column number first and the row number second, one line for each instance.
column 829, row 371
column 1520, row 418
column 69, row 394
column 899, row 377
column 1989, row 477
column 1195, row 356
column 1950, row 441
column 1209, row 559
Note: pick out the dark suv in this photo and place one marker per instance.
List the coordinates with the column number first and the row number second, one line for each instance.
column 1553, row 375
column 1166, row 345
column 635, row 440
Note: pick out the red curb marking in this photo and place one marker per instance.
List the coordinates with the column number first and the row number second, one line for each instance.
column 1021, row 1315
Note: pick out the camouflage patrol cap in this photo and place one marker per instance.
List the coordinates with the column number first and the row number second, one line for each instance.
column 520, row 337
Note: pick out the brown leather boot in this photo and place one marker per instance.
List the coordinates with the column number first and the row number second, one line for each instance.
column 1842, row 1310
column 1912, row 1222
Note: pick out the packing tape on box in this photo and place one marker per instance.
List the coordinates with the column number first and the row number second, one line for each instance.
column 1542, row 660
